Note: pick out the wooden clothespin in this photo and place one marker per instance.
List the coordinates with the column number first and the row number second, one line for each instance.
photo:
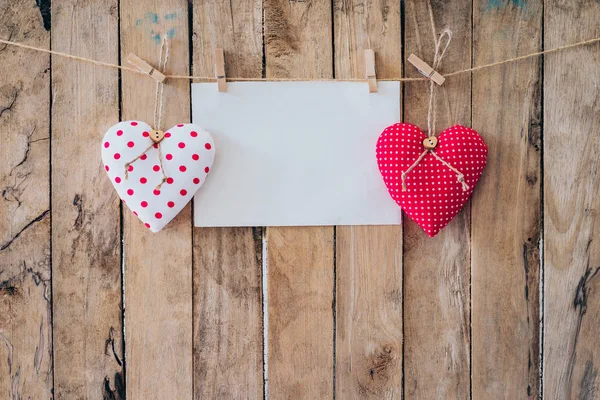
column 145, row 67
column 426, row 70
column 370, row 70
column 220, row 70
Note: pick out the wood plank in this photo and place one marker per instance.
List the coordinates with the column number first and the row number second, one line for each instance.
column 571, row 230
column 300, row 341
column 436, row 271
column 236, row 27
column 368, row 258
column 86, row 255
column 158, row 267
column 298, row 39
column 25, row 292
column 228, row 326
column 506, row 209
column 369, row 312
column 300, row 274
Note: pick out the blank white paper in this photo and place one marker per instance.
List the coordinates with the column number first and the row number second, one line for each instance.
column 295, row 153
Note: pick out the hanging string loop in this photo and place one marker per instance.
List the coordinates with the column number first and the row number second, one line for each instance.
column 437, row 61
column 440, row 51
column 158, row 112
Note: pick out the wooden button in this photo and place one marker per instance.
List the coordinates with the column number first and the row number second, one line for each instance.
column 157, row 136
column 430, row 143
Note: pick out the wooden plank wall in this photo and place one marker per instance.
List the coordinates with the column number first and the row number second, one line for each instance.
column 503, row 303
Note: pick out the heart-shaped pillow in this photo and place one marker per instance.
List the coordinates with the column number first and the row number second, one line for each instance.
column 434, row 193
column 136, row 172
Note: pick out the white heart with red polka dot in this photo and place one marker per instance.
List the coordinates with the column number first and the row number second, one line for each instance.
column 187, row 153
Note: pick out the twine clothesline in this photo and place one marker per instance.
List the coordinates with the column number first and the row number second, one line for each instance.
column 212, row 79
column 430, row 115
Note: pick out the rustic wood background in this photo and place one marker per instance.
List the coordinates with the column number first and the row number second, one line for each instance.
column 503, row 303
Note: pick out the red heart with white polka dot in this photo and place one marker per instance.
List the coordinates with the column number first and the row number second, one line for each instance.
column 131, row 160
column 434, row 193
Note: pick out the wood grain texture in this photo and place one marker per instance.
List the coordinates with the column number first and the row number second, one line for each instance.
column 367, row 24
column 298, row 39
column 228, row 315
column 369, row 312
column 298, row 44
column 368, row 258
column 234, row 26
column 571, row 188
column 25, row 292
column 436, row 271
column 213, row 348
column 158, row 266
column 506, row 209
column 300, row 279
column 86, row 256
column 228, row 328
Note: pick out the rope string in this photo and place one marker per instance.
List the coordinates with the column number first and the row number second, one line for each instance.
column 459, row 175
column 158, row 98
column 417, row 161
column 437, row 61
column 430, row 115
column 127, row 164
column 158, row 111
column 162, row 169
column 213, row 79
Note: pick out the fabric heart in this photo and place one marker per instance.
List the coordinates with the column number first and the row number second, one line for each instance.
column 187, row 153
column 434, row 193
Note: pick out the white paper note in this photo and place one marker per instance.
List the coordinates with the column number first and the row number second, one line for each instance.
column 295, row 153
